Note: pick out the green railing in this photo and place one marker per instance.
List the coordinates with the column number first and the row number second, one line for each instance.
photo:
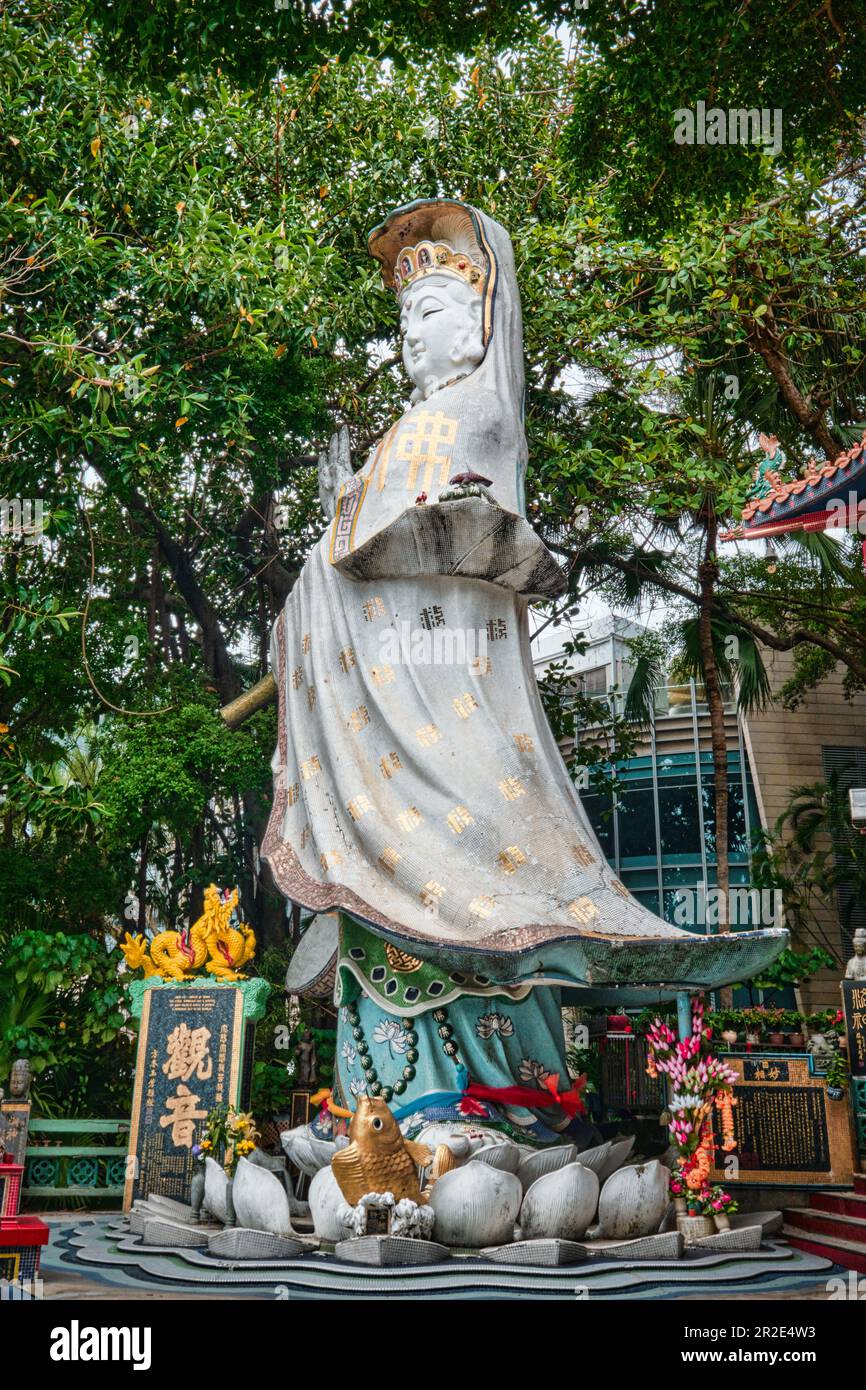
column 858, row 1100
column 65, row 1170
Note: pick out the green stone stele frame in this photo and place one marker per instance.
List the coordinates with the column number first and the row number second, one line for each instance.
column 255, row 992
column 168, row 1167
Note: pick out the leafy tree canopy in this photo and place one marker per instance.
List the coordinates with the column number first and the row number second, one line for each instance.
column 188, row 308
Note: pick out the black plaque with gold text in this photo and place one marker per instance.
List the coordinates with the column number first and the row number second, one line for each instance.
column 854, row 1007
column 189, row 1060
column 787, row 1130
column 782, row 1129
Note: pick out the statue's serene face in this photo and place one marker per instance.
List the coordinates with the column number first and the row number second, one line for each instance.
column 440, row 319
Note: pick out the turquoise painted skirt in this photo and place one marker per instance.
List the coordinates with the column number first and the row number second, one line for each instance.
column 412, row 1061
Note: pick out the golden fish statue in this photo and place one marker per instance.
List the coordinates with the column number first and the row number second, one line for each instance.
column 378, row 1158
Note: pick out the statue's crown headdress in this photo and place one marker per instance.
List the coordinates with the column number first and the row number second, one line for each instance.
column 434, row 237
column 435, row 258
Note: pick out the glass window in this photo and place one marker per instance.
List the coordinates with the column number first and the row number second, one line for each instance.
column 737, row 841
column 678, row 815
column 593, row 682
column 637, row 835
column 598, row 809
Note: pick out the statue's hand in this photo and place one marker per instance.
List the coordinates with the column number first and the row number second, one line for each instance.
column 335, row 469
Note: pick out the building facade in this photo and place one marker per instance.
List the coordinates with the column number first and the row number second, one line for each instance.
column 658, row 827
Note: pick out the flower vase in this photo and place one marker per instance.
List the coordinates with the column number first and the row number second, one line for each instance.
column 693, row 1228
column 721, row 1220
column 231, row 1219
column 679, row 1206
column 196, row 1191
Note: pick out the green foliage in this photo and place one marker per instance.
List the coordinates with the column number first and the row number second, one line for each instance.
column 166, row 770
column 644, row 62
column 272, row 1087
column 63, row 1007
column 793, row 967
column 585, row 1061
column 188, row 307
column 273, row 1065
column 837, row 1074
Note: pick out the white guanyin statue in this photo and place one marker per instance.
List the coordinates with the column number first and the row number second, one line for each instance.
column 422, row 807
column 855, row 968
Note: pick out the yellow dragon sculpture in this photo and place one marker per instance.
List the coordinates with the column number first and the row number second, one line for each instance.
column 211, row 942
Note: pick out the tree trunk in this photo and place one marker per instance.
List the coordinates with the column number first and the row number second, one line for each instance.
column 707, row 576
column 142, row 885
column 766, row 341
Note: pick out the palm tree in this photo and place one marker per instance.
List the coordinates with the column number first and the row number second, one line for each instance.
column 714, row 652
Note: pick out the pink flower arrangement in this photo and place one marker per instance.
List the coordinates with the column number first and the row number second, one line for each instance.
column 698, row 1082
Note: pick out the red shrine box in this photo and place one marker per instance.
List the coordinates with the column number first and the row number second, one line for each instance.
column 11, row 1175
column 21, row 1241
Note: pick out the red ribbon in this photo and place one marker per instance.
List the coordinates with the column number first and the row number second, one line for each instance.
column 528, row 1098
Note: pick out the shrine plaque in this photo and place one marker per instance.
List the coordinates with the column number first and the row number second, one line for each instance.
column 189, row 1060
column 300, row 1108
column 765, row 1069
column 14, row 1124
column 786, row 1128
column 854, row 1008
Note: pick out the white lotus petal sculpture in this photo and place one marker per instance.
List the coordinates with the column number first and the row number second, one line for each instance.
column 633, row 1201
column 506, row 1156
column 216, row 1190
column 560, row 1205
column 620, row 1152
column 308, row 1153
column 596, row 1158
column 535, row 1165
column 476, row 1205
column 260, row 1200
column 326, row 1200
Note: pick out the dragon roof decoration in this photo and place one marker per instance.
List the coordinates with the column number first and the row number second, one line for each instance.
column 802, row 503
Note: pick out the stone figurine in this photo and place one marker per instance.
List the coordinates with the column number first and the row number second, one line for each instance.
column 307, row 1061
column 767, row 475
column 19, row 1080
column 856, row 967
column 420, row 798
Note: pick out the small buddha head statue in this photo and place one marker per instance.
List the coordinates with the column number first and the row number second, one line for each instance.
column 19, row 1078
column 860, row 942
